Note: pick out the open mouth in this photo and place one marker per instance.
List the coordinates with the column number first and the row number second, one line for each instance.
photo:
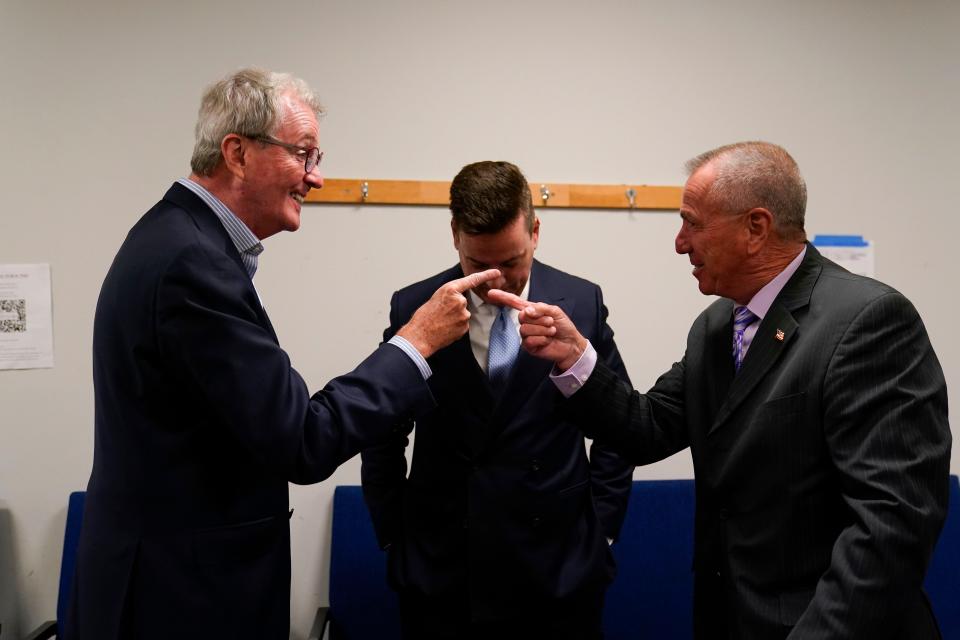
column 297, row 196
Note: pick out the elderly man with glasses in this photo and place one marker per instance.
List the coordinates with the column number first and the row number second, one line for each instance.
column 200, row 420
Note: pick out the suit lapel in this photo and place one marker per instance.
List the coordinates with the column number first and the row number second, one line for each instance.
column 462, row 363
column 717, row 358
column 460, row 382
column 774, row 335
column 465, row 386
column 211, row 227
column 528, row 371
column 776, row 332
column 458, row 361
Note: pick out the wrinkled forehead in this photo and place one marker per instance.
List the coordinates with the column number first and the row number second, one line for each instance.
column 298, row 123
column 697, row 189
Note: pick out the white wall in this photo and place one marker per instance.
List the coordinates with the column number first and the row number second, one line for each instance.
column 98, row 104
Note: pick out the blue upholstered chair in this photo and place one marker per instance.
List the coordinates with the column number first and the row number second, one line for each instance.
column 943, row 575
column 361, row 604
column 68, row 561
column 651, row 598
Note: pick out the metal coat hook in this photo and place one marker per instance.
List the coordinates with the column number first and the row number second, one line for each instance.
column 545, row 193
column 632, row 197
column 364, row 190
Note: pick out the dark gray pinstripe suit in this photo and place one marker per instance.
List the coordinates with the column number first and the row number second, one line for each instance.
column 821, row 468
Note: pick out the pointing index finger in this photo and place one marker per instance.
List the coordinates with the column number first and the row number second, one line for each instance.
column 474, row 280
column 507, row 299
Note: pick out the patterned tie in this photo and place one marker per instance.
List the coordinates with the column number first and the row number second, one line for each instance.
column 502, row 353
column 742, row 318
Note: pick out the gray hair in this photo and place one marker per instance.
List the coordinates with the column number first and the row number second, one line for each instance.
column 248, row 103
column 757, row 174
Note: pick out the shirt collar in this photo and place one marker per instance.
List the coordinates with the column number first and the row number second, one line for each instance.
column 760, row 303
column 240, row 234
column 476, row 303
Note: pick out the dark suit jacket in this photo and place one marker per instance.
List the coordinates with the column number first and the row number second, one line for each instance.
column 501, row 503
column 821, row 467
column 200, row 424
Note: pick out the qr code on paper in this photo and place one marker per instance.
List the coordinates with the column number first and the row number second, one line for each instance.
column 13, row 316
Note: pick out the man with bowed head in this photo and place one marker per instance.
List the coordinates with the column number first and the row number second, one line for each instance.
column 814, row 407
column 201, row 421
column 502, row 528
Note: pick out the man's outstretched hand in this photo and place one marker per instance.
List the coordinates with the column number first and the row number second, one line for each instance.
column 546, row 330
column 444, row 317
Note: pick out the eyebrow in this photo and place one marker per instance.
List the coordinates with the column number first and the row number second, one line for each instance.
column 510, row 259
column 307, row 139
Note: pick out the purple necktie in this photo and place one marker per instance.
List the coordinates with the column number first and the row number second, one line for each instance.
column 742, row 318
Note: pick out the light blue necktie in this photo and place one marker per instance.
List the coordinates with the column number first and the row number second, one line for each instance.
column 503, row 348
column 742, row 318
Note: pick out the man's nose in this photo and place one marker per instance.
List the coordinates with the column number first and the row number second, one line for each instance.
column 680, row 243
column 314, row 178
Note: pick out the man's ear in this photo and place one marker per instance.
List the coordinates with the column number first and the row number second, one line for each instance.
column 233, row 148
column 456, row 235
column 759, row 227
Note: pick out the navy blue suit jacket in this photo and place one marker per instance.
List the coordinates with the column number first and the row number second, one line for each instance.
column 501, row 504
column 200, row 424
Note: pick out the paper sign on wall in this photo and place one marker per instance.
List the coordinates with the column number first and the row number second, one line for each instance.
column 853, row 253
column 26, row 317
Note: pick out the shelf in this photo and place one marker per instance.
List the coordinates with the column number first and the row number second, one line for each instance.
column 545, row 195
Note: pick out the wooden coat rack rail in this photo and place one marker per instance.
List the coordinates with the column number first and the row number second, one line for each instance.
column 545, row 195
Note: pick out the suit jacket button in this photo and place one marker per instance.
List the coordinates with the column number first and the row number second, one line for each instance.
column 535, row 521
column 535, row 465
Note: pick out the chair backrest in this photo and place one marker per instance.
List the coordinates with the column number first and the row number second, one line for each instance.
column 943, row 575
column 68, row 562
column 361, row 604
column 652, row 596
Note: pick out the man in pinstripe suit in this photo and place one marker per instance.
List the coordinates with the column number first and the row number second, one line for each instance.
column 814, row 407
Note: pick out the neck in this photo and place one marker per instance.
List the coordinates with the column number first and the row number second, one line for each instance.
column 223, row 186
column 766, row 265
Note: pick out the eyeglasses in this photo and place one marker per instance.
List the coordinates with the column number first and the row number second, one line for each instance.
column 311, row 156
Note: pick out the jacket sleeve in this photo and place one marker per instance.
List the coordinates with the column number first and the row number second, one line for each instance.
column 213, row 338
column 885, row 423
column 641, row 428
column 611, row 476
column 383, row 471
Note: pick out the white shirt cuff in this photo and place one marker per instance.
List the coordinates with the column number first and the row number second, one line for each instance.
column 576, row 376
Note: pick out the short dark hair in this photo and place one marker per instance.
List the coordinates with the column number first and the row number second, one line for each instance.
column 485, row 197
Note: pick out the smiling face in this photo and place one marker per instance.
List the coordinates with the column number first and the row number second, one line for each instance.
column 510, row 250
column 716, row 241
column 275, row 182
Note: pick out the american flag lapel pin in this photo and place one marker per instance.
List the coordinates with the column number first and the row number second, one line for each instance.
column 780, row 335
